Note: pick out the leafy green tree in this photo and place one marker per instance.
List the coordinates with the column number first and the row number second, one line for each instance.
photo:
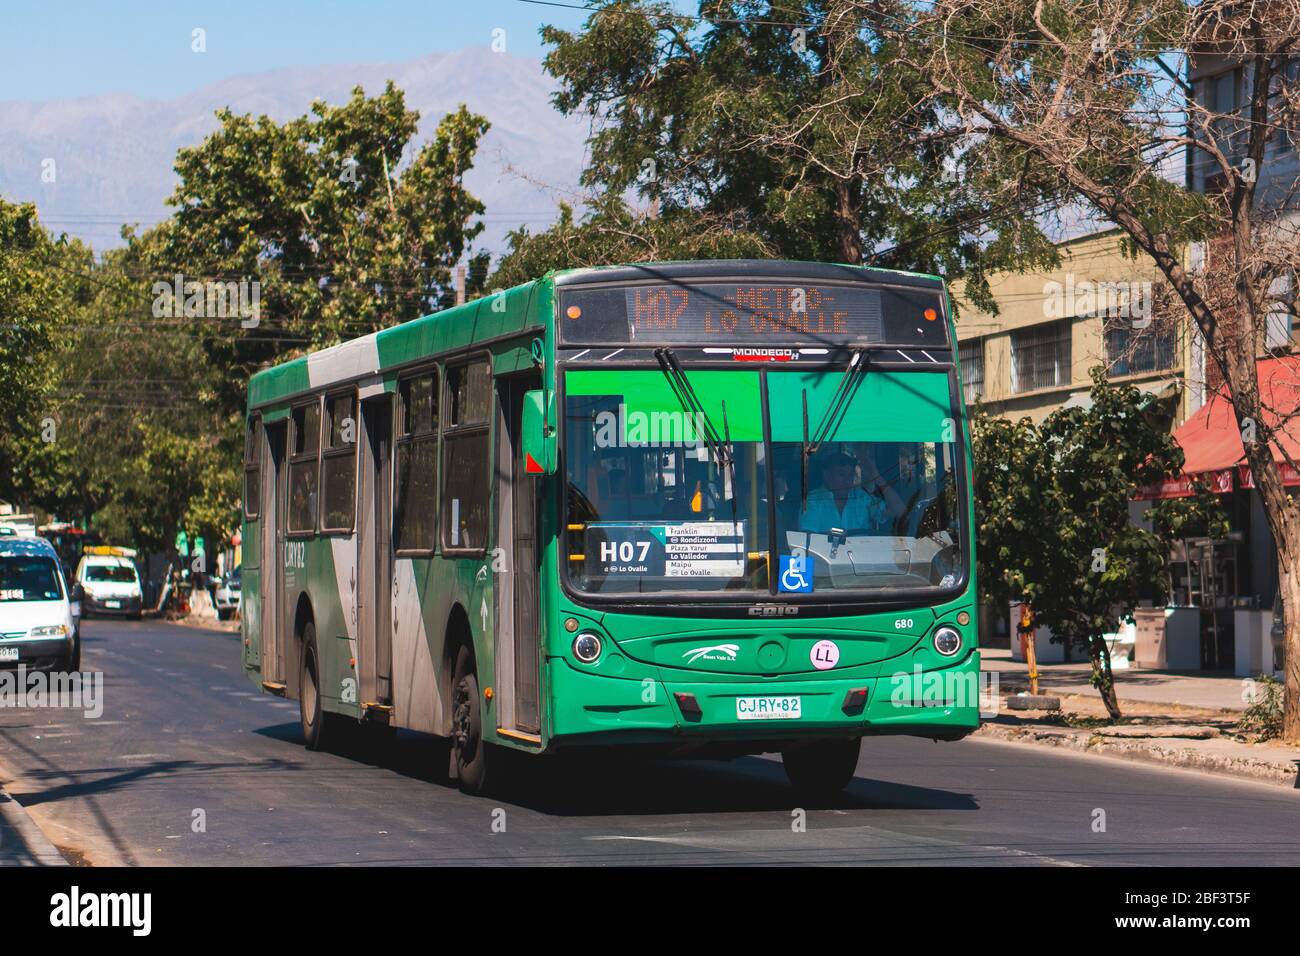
column 39, row 304
column 341, row 235
column 613, row 232
column 789, row 118
column 1053, row 516
column 130, row 413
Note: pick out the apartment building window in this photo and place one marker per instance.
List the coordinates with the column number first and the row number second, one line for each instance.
column 1224, row 100
column 1040, row 356
column 970, row 356
column 1277, row 321
column 1130, row 351
column 1286, row 77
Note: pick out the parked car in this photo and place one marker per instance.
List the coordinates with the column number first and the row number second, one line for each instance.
column 39, row 616
column 228, row 595
column 110, row 584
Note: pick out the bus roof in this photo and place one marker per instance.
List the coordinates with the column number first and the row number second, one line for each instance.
column 699, row 269
column 478, row 322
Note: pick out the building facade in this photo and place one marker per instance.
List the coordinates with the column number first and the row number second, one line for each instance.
column 1099, row 308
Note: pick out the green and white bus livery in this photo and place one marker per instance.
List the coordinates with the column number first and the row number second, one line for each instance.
column 699, row 508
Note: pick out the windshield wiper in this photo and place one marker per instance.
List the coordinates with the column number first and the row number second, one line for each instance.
column 839, row 401
column 826, row 428
column 690, row 401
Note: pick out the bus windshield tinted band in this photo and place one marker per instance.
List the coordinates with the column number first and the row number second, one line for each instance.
column 748, row 313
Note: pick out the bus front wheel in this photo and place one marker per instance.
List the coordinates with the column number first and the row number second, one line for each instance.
column 822, row 768
column 468, row 751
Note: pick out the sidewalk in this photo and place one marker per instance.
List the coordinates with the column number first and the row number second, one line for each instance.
column 1188, row 689
column 1172, row 719
column 21, row 841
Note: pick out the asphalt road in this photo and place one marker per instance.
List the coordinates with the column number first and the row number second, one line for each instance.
column 185, row 739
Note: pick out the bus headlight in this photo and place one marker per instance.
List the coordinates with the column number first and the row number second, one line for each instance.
column 586, row 647
column 947, row 641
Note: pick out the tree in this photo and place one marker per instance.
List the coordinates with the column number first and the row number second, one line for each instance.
column 122, row 389
column 614, row 232
column 39, row 302
column 1053, row 519
column 790, row 119
column 1084, row 95
column 342, row 238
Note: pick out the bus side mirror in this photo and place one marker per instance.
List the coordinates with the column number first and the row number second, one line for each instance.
column 538, row 442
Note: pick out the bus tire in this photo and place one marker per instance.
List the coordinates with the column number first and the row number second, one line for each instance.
column 468, row 750
column 822, row 768
column 317, row 725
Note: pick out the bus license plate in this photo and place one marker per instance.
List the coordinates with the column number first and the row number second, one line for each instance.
column 8, row 653
column 768, row 708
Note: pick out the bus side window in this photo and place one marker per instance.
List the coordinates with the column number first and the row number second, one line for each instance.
column 339, row 464
column 253, row 468
column 414, row 513
column 466, row 478
column 304, row 468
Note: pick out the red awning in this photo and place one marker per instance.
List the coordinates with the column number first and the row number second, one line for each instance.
column 1211, row 439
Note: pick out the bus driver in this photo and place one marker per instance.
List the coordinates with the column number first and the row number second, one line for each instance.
column 842, row 503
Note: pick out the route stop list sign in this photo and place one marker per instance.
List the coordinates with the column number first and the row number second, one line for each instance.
column 693, row 549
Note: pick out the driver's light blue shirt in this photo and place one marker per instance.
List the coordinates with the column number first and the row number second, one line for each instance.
column 861, row 512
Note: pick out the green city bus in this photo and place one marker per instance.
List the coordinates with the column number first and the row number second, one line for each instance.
column 707, row 508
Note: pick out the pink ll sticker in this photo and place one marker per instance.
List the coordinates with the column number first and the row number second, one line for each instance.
column 825, row 655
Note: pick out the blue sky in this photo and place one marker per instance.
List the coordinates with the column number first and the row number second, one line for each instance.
column 84, row 48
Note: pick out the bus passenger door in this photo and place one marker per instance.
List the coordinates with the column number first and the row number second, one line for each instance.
column 375, row 553
column 518, row 613
column 272, row 543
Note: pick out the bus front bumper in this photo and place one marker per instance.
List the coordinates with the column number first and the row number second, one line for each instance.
column 589, row 708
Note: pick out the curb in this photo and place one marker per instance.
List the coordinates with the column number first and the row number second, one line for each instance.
column 38, row 845
column 1278, row 773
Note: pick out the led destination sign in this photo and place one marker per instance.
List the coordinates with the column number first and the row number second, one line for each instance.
column 717, row 313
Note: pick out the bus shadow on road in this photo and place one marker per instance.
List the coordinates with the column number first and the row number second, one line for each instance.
column 589, row 785
column 609, row 784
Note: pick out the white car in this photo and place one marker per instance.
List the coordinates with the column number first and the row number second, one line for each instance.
column 110, row 585
column 227, row 595
column 39, row 624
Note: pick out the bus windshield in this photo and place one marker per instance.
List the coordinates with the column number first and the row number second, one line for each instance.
column 875, row 505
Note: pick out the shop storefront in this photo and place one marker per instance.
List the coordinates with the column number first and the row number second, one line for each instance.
column 1222, row 591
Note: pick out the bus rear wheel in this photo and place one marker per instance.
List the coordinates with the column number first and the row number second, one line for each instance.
column 316, row 723
column 822, row 768
column 468, row 751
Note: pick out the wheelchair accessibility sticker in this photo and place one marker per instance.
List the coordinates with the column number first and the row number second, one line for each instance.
column 796, row 576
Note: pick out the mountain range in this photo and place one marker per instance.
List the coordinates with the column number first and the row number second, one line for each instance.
column 113, row 153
